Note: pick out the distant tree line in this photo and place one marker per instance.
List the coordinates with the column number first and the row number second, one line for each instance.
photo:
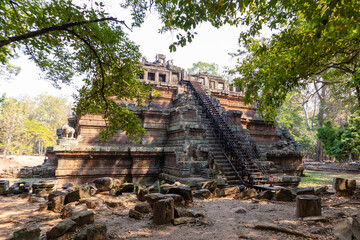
column 28, row 125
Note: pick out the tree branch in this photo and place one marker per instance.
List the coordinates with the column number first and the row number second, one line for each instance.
column 55, row 28
column 92, row 49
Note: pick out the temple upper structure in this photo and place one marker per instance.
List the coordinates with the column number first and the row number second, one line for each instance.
column 180, row 144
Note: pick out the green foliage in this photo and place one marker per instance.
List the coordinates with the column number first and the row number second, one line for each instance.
column 342, row 142
column 11, row 123
column 292, row 118
column 27, row 126
column 66, row 40
column 311, row 38
column 202, row 67
column 52, row 112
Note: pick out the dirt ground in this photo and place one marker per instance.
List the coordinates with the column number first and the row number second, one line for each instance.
column 20, row 161
column 220, row 220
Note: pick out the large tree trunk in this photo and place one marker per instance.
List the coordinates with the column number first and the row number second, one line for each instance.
column 319, row 151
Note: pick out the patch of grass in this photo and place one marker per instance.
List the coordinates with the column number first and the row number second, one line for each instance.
column 315, row 179
column 31, row 180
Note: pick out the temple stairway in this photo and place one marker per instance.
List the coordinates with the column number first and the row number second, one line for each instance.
column 234, row 159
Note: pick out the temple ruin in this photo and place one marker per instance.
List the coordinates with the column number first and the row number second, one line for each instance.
column 198, row 129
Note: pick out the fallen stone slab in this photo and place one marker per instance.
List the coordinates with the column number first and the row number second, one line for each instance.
column 143, row 208
column 92, row 202
column 60, row 229
column 82, row 218
column 184, row 220
column 305, row 191
column 202, row 193
column 268, row 195
column 114, row 203
column 184, row 212
column 319, row 190
column 93, row 232
column 210, row 185
column 28, row 233
column 66, row 212
column 231, row 191
column 77, row 194
column 135, row 214
column 247, row 194
column 183, row 191
column 68, row 185
column 127, row 187
column 154, row 197
column 285, row 195
column 104, row 183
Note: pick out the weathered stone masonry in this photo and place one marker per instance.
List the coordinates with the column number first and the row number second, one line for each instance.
column 179, row 145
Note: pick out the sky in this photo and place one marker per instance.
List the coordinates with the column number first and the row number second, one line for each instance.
column 210, row 45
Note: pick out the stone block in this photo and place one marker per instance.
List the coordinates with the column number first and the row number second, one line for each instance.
column 163, row 211
column 308, row 205
column 231, row 191
column 135, row 214
column 305, row 191
column 93, row 232
column 268, row 195
column 202, row 193
column 184, row 220
column 143, row 208
column 83, row 217
column 154, row 197
column 104, row 183
column 91, row 202
column 210, row 185
column 68, row 185
column 183, row 191
column 344, row 187
column 66, row 212
column 247, row 194
column 140, row 193
column 61, row 228
column 284, row 194
column 29, row 233
column 57, row 201
column 220, row 192
column 77, row 194
column 4, row 186
column 114, row 203
column 319, row 190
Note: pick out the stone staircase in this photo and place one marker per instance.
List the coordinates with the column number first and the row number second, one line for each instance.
column 234, row 156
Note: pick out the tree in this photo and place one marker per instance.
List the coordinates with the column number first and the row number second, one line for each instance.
column 11, row 123
column 36, row 137
column 52, row 112
column 311, row 38
column 65, row 40
column 342, row 142
column 292, row 117
column 204, row 67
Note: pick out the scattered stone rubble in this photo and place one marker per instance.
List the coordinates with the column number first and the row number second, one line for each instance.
column 168, row 203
